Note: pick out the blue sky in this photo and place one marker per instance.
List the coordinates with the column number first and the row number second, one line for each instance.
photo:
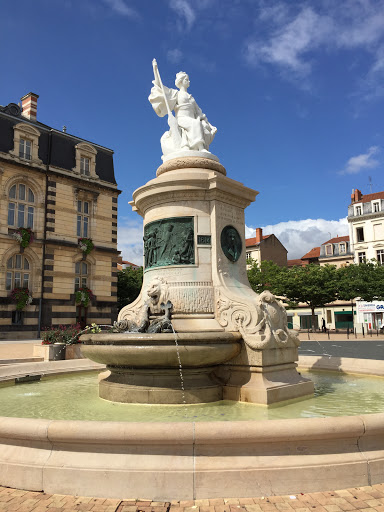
column 295, row 89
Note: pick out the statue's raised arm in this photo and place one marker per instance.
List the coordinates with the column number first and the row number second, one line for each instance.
column 189, row 127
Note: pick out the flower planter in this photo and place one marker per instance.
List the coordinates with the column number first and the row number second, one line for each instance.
column 58, row 351
column 73, row 352
column 55, row 352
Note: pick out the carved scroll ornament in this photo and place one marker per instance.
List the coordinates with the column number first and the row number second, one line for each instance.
column 262, row 323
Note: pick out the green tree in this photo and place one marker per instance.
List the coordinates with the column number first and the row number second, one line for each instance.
column 129, row 282
column 264, row 276
column 364, row 281
column 312, row 284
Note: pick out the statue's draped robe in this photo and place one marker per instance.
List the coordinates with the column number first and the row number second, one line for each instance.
column 194, row 131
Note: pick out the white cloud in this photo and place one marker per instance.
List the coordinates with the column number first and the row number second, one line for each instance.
column 120, row 7
column 289, row 43
column 184, row 11
column 174, row 56
column 292, row 37
column 130, row 240
column 361, row 162
column 300, row 236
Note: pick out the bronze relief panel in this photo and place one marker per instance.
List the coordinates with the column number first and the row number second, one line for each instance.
column 169, row 242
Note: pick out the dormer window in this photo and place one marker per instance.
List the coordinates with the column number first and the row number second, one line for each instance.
column 329, row 250
column 85, row 160
column 358, row 210
column 342, row 248
column 25, row 149
column 85, row 164
column 375, row 206
column 26, row 143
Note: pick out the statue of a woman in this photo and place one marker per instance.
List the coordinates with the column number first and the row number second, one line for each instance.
column 189, row 129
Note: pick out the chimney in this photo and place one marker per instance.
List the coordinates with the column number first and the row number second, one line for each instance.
column 29, row 105
column 356, row 195
column 259, row 235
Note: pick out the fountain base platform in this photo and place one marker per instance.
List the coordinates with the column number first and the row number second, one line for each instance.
column 163, row 368
column 202, row 367
column 144, row 386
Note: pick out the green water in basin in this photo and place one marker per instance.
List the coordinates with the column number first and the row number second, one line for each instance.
column 75, row 397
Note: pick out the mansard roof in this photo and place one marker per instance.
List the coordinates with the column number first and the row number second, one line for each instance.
column 56, row 147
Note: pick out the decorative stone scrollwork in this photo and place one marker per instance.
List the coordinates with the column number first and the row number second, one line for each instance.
column 262, row 323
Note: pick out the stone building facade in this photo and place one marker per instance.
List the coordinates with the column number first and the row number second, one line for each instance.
column 63, row 188
column 366, row 226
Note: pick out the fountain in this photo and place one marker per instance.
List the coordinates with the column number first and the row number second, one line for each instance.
column 196, row 310
column 232, row 343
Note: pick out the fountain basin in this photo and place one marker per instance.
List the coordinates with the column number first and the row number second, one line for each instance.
column 165, row 461
column 153, row 369
column 144, row 350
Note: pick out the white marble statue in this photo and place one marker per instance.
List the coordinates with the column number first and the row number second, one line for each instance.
column 189, row 127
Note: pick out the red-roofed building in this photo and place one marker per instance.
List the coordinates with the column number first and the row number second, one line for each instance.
column 312, row 256
column 295, row 263
column 366, row 226
column 122, row 264
column 266, row 247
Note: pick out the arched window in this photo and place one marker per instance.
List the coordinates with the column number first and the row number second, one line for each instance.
column 81, row 278
column 18, row 272
column 21, row 207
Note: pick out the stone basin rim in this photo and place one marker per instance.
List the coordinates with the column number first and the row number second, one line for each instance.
column 186, row 461
column 218, row 338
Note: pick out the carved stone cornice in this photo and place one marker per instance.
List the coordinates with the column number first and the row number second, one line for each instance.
column 190, row 162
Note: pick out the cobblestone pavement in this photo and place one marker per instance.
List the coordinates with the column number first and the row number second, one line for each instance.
column 369, row 499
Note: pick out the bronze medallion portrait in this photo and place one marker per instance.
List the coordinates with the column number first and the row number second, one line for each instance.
column 231, row 243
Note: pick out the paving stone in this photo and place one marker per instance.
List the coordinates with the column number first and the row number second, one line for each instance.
column 284, row 506
column 246, row 501
column 205, row 508
column 362, row 495
column 252, row 508
column 202, row 503
column 222, row 508
column 376, row 493
column 276, row 499
column 332, row 508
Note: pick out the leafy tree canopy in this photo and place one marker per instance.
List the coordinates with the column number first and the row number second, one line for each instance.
column 364, row 281
column 129, row 281
column 264, row 276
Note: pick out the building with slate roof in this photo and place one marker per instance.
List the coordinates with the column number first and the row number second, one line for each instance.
column 60, row 188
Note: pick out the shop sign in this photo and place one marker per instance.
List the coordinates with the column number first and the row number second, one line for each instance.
column 370, row 307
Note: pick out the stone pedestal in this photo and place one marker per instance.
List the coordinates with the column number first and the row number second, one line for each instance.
column 162, row 386
column 195, row 258
column 264, row 376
